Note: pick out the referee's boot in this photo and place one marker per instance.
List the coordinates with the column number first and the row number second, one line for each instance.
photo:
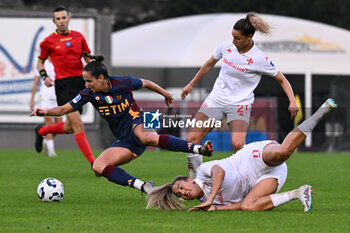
column 38, row 139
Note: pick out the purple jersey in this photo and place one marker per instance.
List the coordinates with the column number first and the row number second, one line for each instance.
column 117, row 105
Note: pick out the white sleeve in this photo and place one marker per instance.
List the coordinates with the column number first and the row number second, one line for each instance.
column 267, row 67
column 218, row 51
column 204, row 170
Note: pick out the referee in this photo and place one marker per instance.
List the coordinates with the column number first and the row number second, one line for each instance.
column 66, row 48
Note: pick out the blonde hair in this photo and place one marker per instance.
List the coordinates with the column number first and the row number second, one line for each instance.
column 258, row 23
column 162, row 197
column 251, row 23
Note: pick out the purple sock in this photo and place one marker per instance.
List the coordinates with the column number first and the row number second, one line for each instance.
column 172, row 143
column 118, row 176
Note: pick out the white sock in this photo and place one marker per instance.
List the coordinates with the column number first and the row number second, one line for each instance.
column 192, row 155
column 309, row 124
column 282, row 198
column 193, row 161
column 138, row 184
column 50, row 145
column 195, row 149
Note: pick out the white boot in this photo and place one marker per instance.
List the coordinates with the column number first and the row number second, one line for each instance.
column 305, row 198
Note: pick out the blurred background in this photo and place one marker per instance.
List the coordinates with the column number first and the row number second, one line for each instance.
column 167, row 41
column 127, row 13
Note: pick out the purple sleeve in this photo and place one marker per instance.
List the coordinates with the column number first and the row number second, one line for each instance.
column 79, row 100
column 136, row 83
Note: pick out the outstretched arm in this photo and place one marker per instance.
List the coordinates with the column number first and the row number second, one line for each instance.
column 208, row 65
column 232, row 206
column 56, row 111
column 156, row 88
column 293, row 107
column 218, row 175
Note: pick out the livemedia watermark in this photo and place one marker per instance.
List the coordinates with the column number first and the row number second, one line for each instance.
column 157, row 120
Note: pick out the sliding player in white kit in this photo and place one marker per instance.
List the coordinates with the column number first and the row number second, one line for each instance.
column 47, row 101
column 243, row 64
column 248, row 180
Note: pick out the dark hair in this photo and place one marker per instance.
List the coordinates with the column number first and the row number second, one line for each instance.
column 96, row 68
column 178, row 178
column 94, row 57
column 250, row 23
column 60, row 8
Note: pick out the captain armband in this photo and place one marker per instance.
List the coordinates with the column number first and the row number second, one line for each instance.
column 43, row 74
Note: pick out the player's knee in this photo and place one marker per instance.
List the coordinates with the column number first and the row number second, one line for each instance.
column 193, row 139
column 77, row 128
column 250, row 207
column 237, row 145
column 98, row 167
column 68, row 130
column 278, row 157
column 67, row 127
column 247, row 207
column 150, row 139
column 284, row 153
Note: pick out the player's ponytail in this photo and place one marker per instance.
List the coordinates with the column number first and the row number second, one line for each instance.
column 251, row 23
column 96, row 68
column 258, row 23
column 162, row 197
column 94, row 57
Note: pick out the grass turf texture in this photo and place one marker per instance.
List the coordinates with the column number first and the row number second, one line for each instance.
column 93, row 204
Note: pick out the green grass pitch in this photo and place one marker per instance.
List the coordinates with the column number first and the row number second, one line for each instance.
column 93, row 204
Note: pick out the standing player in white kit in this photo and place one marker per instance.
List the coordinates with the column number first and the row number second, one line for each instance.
column 243, row 64
column 47, row 101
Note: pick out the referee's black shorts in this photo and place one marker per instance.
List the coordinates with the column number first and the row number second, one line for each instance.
column 68, row 88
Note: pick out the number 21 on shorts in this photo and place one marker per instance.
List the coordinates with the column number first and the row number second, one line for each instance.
column 242, row 110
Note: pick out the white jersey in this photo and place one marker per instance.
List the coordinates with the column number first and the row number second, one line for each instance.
column 242, row 171
column 239, row 74
column 47, row 93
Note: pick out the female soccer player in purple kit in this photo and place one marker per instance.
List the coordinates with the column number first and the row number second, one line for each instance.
column 112, row 98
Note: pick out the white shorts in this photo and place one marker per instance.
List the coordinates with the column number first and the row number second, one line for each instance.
column 214, row 110
column 46, row 102
column 252, row 154
column 279, row 172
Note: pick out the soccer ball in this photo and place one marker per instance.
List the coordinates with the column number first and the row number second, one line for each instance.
column 50, row 189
